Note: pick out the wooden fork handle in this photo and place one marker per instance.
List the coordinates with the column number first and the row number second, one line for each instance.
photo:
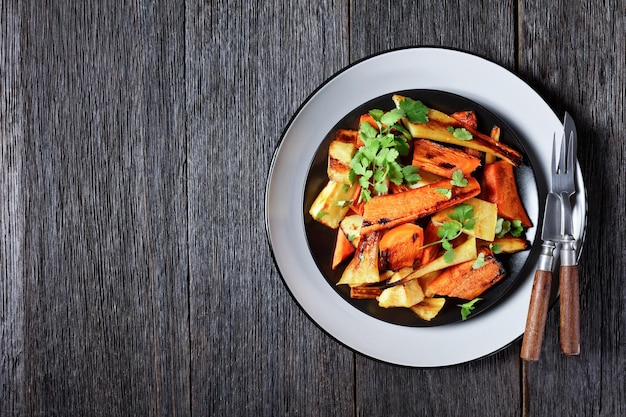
column 537, row 313
column 569, row 310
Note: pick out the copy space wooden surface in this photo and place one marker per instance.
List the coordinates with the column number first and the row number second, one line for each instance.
column 135, row 141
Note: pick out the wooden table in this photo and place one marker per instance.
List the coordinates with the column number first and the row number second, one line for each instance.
column 136, row 138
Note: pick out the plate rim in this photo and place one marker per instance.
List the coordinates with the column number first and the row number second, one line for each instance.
column 327, row 82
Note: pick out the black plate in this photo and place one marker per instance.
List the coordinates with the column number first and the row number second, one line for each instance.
column 321, row 239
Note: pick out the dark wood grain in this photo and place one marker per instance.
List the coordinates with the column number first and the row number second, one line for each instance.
column 11, row 213
column 106, row 326
column 574, row 56
column 135, row 142
column 253, row 351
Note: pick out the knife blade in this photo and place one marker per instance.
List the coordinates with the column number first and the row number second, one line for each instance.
column 569, row 305
column 551, row 232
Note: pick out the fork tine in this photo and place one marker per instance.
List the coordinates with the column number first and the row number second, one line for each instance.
column 554, row 153
column 570, row 155
column 563, row 156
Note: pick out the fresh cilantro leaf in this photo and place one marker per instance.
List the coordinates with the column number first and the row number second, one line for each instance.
column 367, row 132
column 401, row 145
column 502, row 227
column 321, row 214
column 391, row 117
column 495, row 248
column 376, row 114
column 448, row 256
column 449, row 230
column 445, row 191
column 516, row 228
column 410, row 174
column 480, row 261
column 467, row 308
column 415, row 110
column 505, row 226
column 381, row 188
column 351, row 237
column 458, row 179
column 469, row 224
column 460, row 133
column 394, row 173
column 405, row 133
column 462, row 213
column 462, row 218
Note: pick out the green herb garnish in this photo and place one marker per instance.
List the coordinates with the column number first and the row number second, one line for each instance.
column 414, row 110
column 480, row 261
column 376, row 163
column 505, row 226
column 445, row 191
column 495, row 248
column 461, row 219
column 467, row 308
column 458, row 179
column 460, row 133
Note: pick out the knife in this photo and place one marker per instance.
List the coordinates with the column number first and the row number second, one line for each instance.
column 542, row 283
column 568, row 274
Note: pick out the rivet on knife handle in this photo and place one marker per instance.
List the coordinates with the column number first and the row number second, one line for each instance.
column 538, row 307
column 569, row 301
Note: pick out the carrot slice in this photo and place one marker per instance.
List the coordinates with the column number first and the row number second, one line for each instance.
column 465, row 281
column 386, row 211
column 442, row 160
column 501, row 189
column 401, row 247
column 343, row 248
column 430, row 235
column 467, row 117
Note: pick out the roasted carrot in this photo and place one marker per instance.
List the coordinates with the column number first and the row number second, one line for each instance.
column 467, row 117
column 401, row 247
column 501, row 189
column 430, row 235
column 386, row 211
column 442, row 160
column 343, row 248
column 467, row 281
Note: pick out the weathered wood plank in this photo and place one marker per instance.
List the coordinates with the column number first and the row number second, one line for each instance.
column 11, row 212
column 490, row 386
column 487, row 29
column 248, row 69
column 105, row 258
column 574, row 56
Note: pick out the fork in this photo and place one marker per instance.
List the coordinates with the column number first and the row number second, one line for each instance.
column 564, row 185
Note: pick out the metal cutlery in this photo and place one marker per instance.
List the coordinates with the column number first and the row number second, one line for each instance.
column 565, row 186
column 557, row 228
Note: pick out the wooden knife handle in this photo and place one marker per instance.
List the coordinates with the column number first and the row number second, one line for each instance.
column 569, row 310
column 537, row 313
